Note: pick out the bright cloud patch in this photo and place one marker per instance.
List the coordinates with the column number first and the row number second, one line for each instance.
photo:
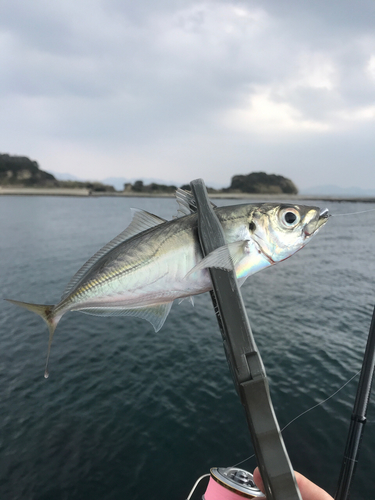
column 265, row 115
column 316, row 70
column 371, row 67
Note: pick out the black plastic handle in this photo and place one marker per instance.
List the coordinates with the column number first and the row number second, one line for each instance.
column 358, row 419
column 245, row 362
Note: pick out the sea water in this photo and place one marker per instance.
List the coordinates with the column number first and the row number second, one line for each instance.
column 130, row 414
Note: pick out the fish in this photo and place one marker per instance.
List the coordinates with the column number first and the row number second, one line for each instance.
column 154, row 261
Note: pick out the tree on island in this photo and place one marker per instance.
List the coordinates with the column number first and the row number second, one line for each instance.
column 255, row 183
column 139, row 187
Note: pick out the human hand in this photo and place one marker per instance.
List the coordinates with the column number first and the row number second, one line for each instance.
column 309, row 490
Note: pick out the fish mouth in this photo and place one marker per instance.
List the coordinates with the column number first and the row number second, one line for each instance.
column 313, row 226
column 323, row 217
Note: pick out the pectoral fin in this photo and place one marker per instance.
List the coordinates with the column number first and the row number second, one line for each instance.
column 225, row 257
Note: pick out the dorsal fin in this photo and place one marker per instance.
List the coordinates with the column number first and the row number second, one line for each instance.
column 186, row 203
column 141, row 221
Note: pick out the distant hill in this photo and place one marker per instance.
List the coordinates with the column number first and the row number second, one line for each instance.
column 262, row 183
column 20, row 171
column 66, row 177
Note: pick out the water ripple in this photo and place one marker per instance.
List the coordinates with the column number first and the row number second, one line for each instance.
column 128, row 413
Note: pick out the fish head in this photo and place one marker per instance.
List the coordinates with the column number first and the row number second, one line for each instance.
column 281, row 230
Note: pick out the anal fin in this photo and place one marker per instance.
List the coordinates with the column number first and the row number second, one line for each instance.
column 155, row 314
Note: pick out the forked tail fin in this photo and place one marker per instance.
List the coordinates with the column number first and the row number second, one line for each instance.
column 46, row 312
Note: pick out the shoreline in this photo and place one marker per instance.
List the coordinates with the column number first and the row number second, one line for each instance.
column 235, row 196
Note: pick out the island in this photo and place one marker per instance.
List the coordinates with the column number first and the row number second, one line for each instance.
column 21, row 172
column 262, row 183
column 21, row 175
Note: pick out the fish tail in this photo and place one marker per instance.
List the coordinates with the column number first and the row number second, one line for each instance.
column 45, row 312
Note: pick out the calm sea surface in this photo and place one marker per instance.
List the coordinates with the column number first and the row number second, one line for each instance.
column 130, row 414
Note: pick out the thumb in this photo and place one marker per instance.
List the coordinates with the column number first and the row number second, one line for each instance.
column 309, row 490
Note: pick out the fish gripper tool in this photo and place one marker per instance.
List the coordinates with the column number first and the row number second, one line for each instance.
column 244, row 361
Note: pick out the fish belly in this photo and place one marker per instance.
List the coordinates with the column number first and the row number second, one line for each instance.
column 157, row 277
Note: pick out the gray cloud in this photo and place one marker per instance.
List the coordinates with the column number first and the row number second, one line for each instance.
column 187, row 89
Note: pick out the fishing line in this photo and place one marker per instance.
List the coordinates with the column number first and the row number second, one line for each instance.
column 353, row 213
column 322, row 402
column 196, row 484
column 306, row 411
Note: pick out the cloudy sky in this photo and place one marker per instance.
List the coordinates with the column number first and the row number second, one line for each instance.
column 180, row 89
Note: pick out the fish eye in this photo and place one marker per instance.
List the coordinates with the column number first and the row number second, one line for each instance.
column 252, row 226
column 289, row 217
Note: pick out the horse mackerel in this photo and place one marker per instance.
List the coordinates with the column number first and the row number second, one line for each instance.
column 154, row 261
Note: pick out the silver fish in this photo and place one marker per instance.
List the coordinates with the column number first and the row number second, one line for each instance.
column 154, row 261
